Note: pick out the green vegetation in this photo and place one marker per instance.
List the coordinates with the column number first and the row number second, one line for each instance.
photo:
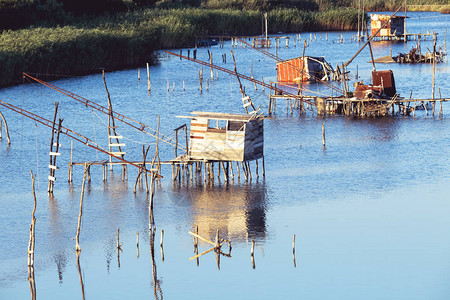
column 81, row 36
column 129, row 39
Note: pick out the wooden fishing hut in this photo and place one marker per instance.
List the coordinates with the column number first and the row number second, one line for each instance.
column 307, row 68
column 394, row 29
column 224, row 138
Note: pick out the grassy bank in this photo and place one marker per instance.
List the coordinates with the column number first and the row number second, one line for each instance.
column 129, row 39
column 443, row 9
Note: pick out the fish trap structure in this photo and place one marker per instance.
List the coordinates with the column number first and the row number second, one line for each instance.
column 223, row 138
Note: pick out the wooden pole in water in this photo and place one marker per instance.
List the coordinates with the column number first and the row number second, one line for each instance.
column 137, row 242
column 210, row 64
column 31, row 243
column 119, row 245
column 434, row 67
column 6, row 129
column 293, row 250
column 252, row 252
column 149, row 86
column 69, row 176
column 323, row 134
column 77, row 237
column 264, row 167
column 49, row 189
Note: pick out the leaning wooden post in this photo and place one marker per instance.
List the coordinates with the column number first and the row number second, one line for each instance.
column 32, row 226
column 6, row 129
column 77, row 237
column 52, row 166
column 51, row 153
column 323, row 134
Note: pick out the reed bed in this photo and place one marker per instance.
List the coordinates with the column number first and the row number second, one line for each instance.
column 129, row 39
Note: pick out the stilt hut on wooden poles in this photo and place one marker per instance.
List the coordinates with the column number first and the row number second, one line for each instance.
column 394, row 29
column 223, row 138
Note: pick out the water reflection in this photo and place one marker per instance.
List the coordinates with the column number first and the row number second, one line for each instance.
column 377, row 129
column 61, row 262
column 157, row 291
column 31, row 282
column 56, row 229
column 80, row 275
column 237, row 211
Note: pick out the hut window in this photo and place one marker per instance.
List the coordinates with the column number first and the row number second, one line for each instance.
column 217, row 124
column 235, row 126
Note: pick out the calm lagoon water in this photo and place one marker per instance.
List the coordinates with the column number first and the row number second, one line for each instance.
column 370, row 211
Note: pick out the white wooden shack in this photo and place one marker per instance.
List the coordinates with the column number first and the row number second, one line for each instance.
column 225, row 137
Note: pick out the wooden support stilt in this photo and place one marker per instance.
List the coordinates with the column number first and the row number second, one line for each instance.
column 238, row 170
column 263, row 167
column 231, row 170
column 244, row 171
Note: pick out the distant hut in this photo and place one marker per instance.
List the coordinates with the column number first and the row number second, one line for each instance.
column 225, row 137
column 295, row 70
column 394, row 29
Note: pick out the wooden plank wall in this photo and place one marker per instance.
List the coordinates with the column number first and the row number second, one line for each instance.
column 254, row 140
column 226, row 145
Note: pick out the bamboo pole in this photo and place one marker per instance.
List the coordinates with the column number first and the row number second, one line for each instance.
column 77, row 237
